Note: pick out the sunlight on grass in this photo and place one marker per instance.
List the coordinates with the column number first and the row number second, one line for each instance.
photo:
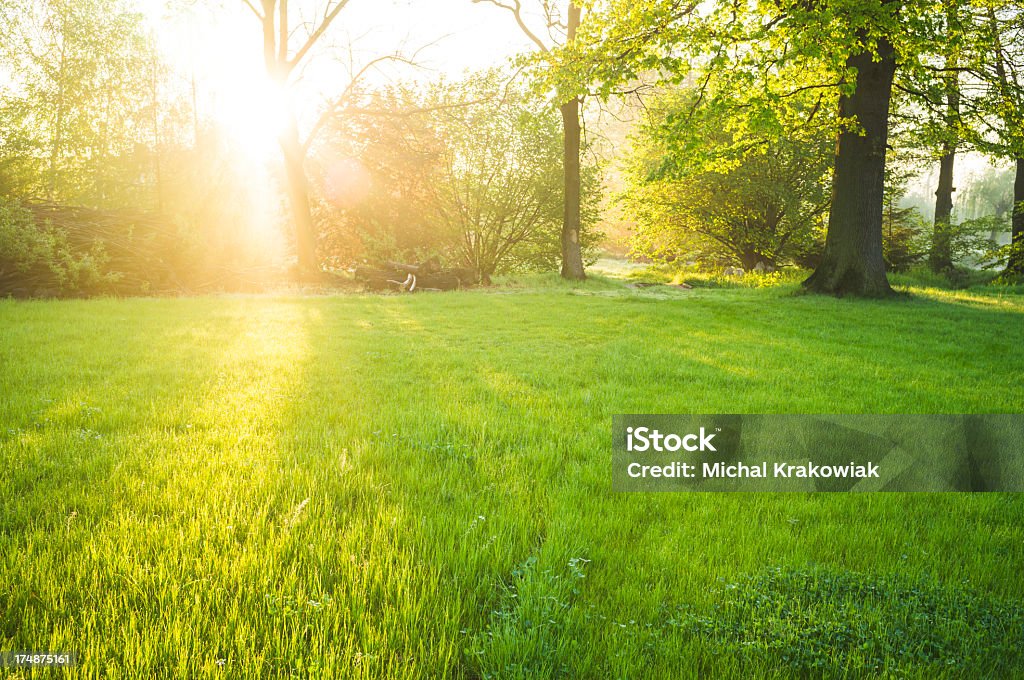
column 1013, row 302
column 419, row 486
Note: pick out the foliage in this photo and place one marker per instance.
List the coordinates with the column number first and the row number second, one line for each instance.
column 990, row 194
column 759, row 61
column 838, row 623
column 51, row 250
column 905, row 233
column 470, row 171
column 1008, row 255
column 767, row 205
column 904, row 237
column 972, row 241
column 997, row 112
column 36, row 260
column 78, row 109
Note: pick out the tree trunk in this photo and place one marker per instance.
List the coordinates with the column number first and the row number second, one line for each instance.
column 275, row 58
column 1015, row 263
column 298, row 195
column 572, row 255
column 852, row 263
column 57, row 141
column 749, row 259
column 941, row 256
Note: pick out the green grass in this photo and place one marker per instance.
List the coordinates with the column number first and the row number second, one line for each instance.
column 419, row 486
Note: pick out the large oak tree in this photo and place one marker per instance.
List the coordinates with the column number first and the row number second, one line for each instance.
column 754, row 58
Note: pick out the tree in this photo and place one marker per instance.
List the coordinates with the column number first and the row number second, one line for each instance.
column 853, row 261
column 940, row 254
column 754, row 58
column 1001, row 122
column 282, row 62
column 73, row 109
column 468, row 171
column 569, row 109
column 944, row 109
column 765, row 204
column 990, row 194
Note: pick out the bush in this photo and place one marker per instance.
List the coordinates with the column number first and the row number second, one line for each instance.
column 38, row 261
column 702, row 200
column 469, row 172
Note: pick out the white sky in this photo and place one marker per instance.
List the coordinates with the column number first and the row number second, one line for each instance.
column 455, row 34
column 219, row 42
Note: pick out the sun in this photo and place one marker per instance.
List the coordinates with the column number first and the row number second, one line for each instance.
column 219, row 59
column 253, row 112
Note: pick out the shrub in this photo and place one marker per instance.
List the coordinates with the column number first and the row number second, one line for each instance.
column 714, row 204
column 469, row 172
column 36, row 260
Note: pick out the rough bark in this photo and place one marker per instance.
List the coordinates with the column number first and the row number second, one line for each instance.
column 852, row 263
column 941, row 255
column 572, row 255
column 1015, row 263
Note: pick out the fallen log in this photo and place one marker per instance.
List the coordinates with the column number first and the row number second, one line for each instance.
column 411, row 278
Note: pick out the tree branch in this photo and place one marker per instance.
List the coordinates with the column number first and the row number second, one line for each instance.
column 282, row 40
column 330, row 15
column 253, row 8
column 517, row 11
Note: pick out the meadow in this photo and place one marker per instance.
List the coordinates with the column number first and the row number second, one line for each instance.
column 419, row 486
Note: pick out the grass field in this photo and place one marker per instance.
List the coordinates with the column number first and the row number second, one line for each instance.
column 419, row 486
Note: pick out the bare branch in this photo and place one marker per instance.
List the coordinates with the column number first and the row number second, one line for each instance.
column 335, row 105
column 330, row 15
column 517, row 11
column 282, row 41
column 253, row 8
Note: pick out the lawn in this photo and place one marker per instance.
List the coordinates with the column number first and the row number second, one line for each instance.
column 419, row 486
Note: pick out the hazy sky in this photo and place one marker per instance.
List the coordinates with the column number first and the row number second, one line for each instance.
column 455, row 34
column 223, row 47
column 220, row 44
